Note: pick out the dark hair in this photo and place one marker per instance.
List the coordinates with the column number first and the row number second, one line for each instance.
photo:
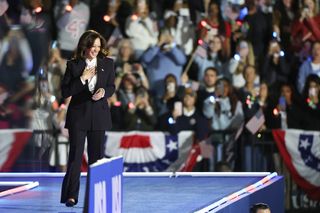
column 222, row 27
column 231, row 95
column 211, row 68
column 255, row 207
column 87, row 40
column 170, row 76
column 311, row 78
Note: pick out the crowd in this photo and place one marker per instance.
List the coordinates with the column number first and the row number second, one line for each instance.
column 198, row 65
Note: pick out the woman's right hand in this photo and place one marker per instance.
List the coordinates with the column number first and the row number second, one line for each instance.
column 88, row 73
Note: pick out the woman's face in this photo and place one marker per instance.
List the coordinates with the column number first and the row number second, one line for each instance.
column 210, row 78
column 126, row 50
column 263, row 90
column 93, row 51
column 243, row 49
column 313, row 89
column 215, row 44
column 214, row 10
column 286, row 92
column 250, row 74
column 310, row 4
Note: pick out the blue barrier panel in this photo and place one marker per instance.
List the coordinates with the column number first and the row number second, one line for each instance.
column 105, row 186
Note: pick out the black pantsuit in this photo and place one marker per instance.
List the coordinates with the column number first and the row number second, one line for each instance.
column 86, row 118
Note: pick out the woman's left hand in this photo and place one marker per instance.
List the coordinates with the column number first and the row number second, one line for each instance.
column 98, row 94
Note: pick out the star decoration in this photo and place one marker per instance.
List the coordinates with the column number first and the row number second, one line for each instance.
column 172, row 146
column 304, row 143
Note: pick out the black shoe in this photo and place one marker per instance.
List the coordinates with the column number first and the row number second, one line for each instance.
column 70, row 202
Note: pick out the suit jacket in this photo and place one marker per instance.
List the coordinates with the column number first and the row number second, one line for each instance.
column 83, row 112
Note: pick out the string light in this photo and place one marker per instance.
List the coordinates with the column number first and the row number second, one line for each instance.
column 68, row 8
column 311, row 103
column 131, row 105
column 37, row 9
column 134, row 17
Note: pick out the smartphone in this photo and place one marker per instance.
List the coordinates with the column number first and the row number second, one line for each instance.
column 282, row 102
column 178, row 108
column 184, row 12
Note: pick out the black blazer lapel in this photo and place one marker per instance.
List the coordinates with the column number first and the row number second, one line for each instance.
column 81, row 65
column 99, row 78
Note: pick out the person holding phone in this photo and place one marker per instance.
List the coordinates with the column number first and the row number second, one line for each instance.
column 287, row 111
column 311, row 97
column 89, row 80
column 183, row 115
column 140, row 115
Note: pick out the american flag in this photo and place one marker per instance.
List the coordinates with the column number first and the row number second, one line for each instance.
column 255, row 123
column 300, row 151
column 201, row 50
column 150, row 151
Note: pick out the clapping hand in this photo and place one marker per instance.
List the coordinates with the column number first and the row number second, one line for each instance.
column 98, row 94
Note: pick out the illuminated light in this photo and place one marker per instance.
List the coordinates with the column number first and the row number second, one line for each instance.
column 55, row 105
column 200, row 41
column 52, row 98
column 274, row 34
column 308, row 100
column 250, row 188
column 134, row 17
column 38, row 10
column 248, row 102
column 131, row 105
column 117, row 103
column 203, row 23
column 239, row 23
column 15, row 190
column 68, row 8
column 212, row 99
column 236, row 57
column 106, row 18
column 259, row 135
column 233, row 196
column 171, row 120
column 281, row 53
column 275, row 111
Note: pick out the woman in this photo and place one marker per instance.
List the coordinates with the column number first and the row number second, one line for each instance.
column 306, row 27
column 89, row 79
column 311, row 96
column 244, row 56
column 214, row 24
column 215, row 57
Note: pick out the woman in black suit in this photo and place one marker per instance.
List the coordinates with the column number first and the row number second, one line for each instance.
column 89, row 80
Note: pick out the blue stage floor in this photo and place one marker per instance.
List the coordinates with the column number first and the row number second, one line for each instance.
column 140, row 194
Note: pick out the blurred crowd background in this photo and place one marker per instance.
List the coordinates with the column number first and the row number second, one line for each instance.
column 201, row 65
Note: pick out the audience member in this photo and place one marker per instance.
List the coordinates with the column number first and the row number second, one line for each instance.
column 214, row 57
column 141, row 28
column 162, row 59
column 243, row 57
column 184, row 116
column 309, row 66
column 311, row 98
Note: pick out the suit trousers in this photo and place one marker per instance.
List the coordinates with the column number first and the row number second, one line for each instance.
column 95, row 147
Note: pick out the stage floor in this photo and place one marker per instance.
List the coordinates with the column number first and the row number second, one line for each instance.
column 140, row 193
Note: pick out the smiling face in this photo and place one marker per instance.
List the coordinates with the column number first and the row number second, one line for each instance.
column 93, row 51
